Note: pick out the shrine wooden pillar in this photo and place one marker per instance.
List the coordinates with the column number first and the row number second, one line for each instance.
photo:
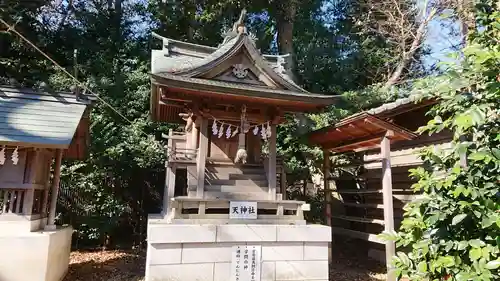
column 390, row 246
column 272, row 164
column 202, row 157
column 55, row 191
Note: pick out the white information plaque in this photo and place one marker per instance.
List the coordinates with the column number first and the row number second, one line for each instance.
column 245, row 263
column 242, row 210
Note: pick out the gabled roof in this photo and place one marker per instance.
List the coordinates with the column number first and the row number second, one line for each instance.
column 191, row 60
column 39, row 119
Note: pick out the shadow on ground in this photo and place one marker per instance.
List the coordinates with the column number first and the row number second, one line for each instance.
column 106, row 266
column 350, row 262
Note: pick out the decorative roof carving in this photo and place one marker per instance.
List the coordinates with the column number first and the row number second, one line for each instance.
column 240, row 71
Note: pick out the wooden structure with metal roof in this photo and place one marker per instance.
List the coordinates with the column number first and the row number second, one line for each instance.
column 35, row 128
column 366, row 194
column 230, row 98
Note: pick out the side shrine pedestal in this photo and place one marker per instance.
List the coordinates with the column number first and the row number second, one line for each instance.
column 206, row 252
column 35, row 256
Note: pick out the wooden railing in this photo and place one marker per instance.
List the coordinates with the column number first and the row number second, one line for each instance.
column 177, row 152
column 12, row 201
column 208, row 210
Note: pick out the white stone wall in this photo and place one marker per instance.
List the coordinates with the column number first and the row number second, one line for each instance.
column 35, row 256
column 203, row 252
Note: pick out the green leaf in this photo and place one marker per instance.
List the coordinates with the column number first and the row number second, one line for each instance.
column 458, row 218
column 476, row 243
column 447, row 261
column 462, row 245
column 422, row 267
column 475, row 254
column 493, row 264
column 487, row 221
column 478, row 156
column 496, row 152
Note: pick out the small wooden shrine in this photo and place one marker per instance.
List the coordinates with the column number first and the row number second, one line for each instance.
column 224, row 182
column 38, row 128
column 230, row 99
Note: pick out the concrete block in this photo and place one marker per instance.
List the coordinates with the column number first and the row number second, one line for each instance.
column 159, row 254
column 222, row 271
column 283, row 251
column 316, row 251
column 304, row 233
column 246, row 233
column 268, row 271
column 172, row 233
column 200, row 252
column 181, row 272
column 301, row 270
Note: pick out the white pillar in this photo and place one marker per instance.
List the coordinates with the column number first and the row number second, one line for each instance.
column 202, row 157
column 390, row 247
column 55, row 191
column 272, row 164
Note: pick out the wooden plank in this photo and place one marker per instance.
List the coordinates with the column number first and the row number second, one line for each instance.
column 390, row 246
column 201, row 158
column 272, row 164
column 359, row 219
column 359, row 205
column 357, row 234
column 359, row 191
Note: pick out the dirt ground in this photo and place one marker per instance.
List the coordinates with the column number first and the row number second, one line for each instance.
column 348, row 265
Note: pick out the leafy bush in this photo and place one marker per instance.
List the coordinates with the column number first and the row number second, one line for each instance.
column 452, row 232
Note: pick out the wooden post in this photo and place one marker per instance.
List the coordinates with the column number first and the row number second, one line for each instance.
column 202, row 157
column 272, row 164
column 55, row 191
column 169, row 190
column 390, row 247
column 328, row 196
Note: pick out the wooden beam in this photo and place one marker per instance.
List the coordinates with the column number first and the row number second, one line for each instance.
column 202, row 157
column 344, row 146
column 357, row 234
column 390, row 246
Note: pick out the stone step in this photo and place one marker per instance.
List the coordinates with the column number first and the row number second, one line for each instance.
column 254, row 177
column 237, row 182
column 235, row 188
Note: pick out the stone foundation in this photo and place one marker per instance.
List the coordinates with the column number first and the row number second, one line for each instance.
column 203, row 252
column 35, row 256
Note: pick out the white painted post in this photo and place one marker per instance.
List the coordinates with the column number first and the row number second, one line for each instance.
column 202, row 157
column 55, row 191
column 271, row 178
column 328, row 196
column 390, row 247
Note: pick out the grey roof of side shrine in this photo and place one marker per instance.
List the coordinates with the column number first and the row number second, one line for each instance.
column 38, row 118
column 189, row 60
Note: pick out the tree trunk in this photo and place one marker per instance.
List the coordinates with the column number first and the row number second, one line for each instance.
column 408, row 56
column 285, row 18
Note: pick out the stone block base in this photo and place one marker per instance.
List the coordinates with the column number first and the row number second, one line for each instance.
column 204, row 252
column 35, row 256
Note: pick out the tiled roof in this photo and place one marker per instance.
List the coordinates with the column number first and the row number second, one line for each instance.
column 38, row 119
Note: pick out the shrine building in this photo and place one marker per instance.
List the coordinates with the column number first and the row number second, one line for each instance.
column 225, row 187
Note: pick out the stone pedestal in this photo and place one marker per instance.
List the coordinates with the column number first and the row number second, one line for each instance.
column 35, row 256
column 188, row 252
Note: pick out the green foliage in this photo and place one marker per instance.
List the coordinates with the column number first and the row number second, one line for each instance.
column 452, row 232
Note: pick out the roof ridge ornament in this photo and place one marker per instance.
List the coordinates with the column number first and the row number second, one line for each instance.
column 238, row 28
